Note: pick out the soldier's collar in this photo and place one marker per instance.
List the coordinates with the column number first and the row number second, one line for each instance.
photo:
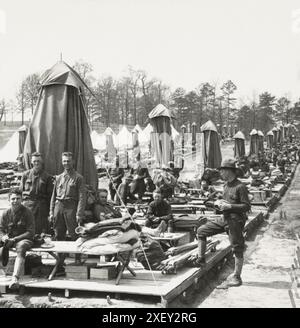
column 70, row 172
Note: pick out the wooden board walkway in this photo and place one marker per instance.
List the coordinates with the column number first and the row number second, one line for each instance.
column 162, row 287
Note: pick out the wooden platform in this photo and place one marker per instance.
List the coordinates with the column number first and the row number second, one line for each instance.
column 154, row 284
column 162, row 287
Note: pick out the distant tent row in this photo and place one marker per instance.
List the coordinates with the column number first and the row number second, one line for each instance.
column 59, row 124
column 124, row 139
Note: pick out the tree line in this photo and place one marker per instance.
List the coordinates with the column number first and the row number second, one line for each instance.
column 129, row 99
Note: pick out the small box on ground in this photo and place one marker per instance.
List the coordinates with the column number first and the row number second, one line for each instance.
column 79, row 271
column 105, row 271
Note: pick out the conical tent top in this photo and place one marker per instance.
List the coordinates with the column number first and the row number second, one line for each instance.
column 260, row 133
column 253, row 132
column 61, row 73
column 239, row 135
column 22, row 128
column 208, row 126
column 137, row 128
column 161, row 110
column 108, row 131
column 270, row 133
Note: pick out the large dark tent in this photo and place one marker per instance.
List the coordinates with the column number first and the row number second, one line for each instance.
column 212, row 156
column 275, row 133
column 260, row 141
column 60, row 124
column 254, row 142
column 239, row 144
column 160, row 119
column 270, row 139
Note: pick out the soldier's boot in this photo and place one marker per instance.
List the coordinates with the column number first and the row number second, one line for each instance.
column 235, row 279
column 199, row 259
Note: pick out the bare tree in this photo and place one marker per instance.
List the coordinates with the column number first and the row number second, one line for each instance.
column 135, row 76
column 31, row 90
column 105, row 91
column 228, row 88
column 84, row 69
column 3, row 110
column 21, row 100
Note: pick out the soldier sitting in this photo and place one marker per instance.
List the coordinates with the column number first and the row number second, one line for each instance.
column 158, row 210
column 17, row 230
column 124, row 195
column 104, row 210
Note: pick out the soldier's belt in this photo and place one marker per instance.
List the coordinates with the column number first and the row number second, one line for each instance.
column 65, row 200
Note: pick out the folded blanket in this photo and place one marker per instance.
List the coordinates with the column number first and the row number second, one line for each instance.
column 115, row 237
column 109, row 249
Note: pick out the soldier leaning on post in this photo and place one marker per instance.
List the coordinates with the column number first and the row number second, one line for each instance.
column 37, row 186
column 17, row 231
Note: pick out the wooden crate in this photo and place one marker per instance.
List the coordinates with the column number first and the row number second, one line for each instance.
column 78, row 271
column 104, row 271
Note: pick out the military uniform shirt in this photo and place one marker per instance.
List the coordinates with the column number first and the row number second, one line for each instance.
column 36, row 186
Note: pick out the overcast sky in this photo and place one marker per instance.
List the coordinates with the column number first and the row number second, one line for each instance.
column 254, row 43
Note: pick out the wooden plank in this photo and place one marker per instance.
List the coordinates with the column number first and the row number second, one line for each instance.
column 166, row 286
column 130, row 287
column 146, row 275
column 177, row 286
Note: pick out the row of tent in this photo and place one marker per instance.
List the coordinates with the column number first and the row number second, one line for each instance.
column 275, row 136
column 59, row 124
column 126, row 139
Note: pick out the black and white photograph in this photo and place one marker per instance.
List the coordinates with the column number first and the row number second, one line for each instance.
column 149, row 155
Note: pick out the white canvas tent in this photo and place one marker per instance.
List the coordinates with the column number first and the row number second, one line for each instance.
column 124, row 138
column 144, row 137
column 10, row 151
column 96, row 138
column 138, row 128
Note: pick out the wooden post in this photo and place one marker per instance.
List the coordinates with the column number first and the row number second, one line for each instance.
column 67, row 293
column 292, row 298
column 164, row 302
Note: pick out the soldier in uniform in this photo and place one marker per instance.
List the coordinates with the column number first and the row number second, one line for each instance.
column 68, row 200
column 104, row 210
column 159, row 210
column 115, row 174
column 17, row 231
column 138, row 185
column 234, row 205
column 37, row 186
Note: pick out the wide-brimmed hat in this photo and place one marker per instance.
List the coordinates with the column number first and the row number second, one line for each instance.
column 4, row 255
column 230, row 163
